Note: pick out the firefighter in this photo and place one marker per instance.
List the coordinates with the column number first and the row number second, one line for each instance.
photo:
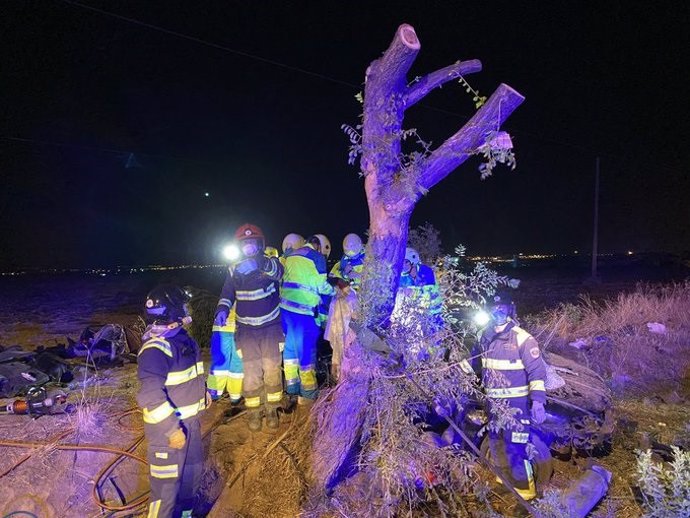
column 304, row 282
column 252, row 285
column 422, row 283
column 350, row 266
column 172, row 395
column 346, row 276
column 512, row 370
column 323, row 245
column 227, row 370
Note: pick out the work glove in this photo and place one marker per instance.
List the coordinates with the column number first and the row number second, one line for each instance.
column 221, row 317
column 246, row 267
column 538, row 412
column 177, row 439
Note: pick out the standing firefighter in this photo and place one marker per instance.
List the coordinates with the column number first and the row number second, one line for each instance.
column 252, row 284
column 303, row 284
column 512, row 371
column 227, row 371
column 172, row 394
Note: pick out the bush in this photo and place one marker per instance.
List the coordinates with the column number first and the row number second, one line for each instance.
column 665, row 488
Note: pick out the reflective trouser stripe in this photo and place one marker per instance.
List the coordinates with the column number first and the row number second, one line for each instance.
column 154, row 507
column 502, row 393
column 253, row 402
column 307, row 377
column 503, row 365
column 274, row 397
column 291, row 371
column 466, row 367
column 158, row 414
column 168, row 471
column 186, row 513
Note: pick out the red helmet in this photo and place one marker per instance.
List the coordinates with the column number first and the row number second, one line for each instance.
column 248, row 231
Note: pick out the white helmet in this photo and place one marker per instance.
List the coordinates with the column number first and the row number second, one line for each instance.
column 293, row 241
column 412, row 256
column 352, row 245
column 325, row 245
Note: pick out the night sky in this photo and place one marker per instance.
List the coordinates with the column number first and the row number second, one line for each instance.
column 256, row 124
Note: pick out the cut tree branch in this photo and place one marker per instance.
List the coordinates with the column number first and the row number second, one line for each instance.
column 426, row 84
column 454, row 151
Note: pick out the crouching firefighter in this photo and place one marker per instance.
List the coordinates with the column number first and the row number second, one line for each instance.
column 172, row 395
column 252, row 284
column 512, row 371
column 227, row 370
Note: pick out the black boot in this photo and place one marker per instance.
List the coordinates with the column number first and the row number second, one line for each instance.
column 254, row 419
column 272, row 420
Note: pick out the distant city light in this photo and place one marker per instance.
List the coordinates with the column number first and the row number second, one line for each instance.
column 231, row 252
column 576, row 252
column 207, row 194
column 630, row 252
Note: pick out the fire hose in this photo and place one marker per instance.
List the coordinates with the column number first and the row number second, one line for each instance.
column 121, row 455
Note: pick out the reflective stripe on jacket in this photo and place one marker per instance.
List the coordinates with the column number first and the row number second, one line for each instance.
column 511, row 364
column 255, row 295
column 304, row 281
column 172, row 383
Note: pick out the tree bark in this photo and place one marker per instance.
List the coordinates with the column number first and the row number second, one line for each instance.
column 393, row 187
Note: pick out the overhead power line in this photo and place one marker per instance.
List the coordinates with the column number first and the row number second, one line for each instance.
column 212, row 45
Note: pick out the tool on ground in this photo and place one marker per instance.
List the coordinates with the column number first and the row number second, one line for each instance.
column 39, row 401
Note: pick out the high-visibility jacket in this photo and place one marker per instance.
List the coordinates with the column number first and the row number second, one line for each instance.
column 510, row 363
column 349, row 269
column 256, row 294
column 304, row 281
column 172, row 385
column 425, row 289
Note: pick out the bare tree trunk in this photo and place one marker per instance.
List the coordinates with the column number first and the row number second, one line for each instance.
column 393, row 184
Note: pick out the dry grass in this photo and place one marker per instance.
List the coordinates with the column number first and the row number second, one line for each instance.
column 619, row 344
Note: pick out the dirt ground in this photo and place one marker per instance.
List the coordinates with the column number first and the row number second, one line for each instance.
column 248, row 475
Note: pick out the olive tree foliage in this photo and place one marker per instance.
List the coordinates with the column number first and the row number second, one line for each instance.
column 393, row 180
column 426, row 239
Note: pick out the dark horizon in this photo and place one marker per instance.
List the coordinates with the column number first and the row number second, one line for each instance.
column 113, row 132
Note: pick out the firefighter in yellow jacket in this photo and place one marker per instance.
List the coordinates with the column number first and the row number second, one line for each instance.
column 172, row 395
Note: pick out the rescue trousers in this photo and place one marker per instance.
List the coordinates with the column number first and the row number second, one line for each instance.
column 227, row 370
column 508, row 449
column 260, row 352
column 299, row 356
column 175, row 474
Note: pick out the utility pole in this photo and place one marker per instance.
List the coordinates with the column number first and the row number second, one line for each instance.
column 595, row 233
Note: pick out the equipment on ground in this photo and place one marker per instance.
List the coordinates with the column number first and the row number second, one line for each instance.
column 40, row 401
